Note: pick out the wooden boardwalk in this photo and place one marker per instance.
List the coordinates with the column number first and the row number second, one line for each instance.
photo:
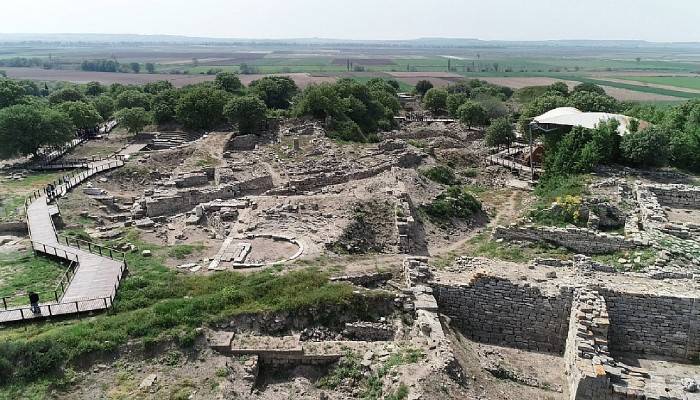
column 99, row 270
column 504, row 159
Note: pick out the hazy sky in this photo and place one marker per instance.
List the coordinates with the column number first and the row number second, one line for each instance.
column 654, row 20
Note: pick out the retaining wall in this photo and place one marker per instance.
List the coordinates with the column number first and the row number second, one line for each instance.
column 677, row 195
column 498, row 311
column 577, row 239
column 13, row 228
column 649, row 324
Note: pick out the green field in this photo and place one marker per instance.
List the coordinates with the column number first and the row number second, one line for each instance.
column 22, row 272
column 688, row 82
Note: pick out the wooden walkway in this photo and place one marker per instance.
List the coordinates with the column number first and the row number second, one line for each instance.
column 504, row 159
column 99, row 269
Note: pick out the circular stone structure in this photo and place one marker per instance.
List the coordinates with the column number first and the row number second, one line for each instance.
column 268, row 249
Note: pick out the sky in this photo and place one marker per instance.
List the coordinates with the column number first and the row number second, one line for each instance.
column 652, row 20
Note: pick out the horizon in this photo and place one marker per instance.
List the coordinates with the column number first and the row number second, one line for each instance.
column 325, row 39
column 509, row 20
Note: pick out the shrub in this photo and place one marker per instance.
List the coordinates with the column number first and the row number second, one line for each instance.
column 648, row 147
column 455, row 202
column 441, row 174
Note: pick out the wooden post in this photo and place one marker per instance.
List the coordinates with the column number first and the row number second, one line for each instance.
column 4, row 303
column 49, row 307
column 21, row 312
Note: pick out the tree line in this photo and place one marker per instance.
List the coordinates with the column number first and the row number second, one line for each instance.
column 46, row 117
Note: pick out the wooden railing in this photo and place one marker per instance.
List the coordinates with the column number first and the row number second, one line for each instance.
column 92, row 247
column 56, row 293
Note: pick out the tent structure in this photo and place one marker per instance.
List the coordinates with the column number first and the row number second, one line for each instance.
column 569, row 116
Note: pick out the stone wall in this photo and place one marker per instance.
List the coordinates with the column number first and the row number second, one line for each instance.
column 13, row 228
column 577, row 239
column 192, row 179
column 587, row 352
column 243, row 142
column 498, row 311
column 186, row 200
column 649, row 324
column 677, row 195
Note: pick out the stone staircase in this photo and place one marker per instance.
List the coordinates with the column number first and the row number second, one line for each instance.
column 168, row 140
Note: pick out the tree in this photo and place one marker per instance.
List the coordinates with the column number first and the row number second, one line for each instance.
column 581, row 149
column 559, row 88
column 593, row 102
column 10, row 92
column 136, row 67
column 500, row 132
column 66, row 94
column 150, row 68
column 588, row 87
column 247, row 111
column 435, row 100
column 471, row 114
column 648, row 147
column 133, row 98
column 454, row 100
column 82, row 114
column 228, row 81
column 352, row 110
column 275, row 91
column 685, row 150
column 493, row 105
column 104, row 106
column 134, row 119
column 94, row 88
column 157, row 87
column 24, row 129
column 201, row 107
column 163, row 106
column 423, row 86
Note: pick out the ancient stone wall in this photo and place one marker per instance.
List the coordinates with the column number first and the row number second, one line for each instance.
column 650, row 324
column 243, row 142
column 13, row 228
column 186, row 200
column 677, row 195
column 577, row 239
column 496, row 310
column 587, row 352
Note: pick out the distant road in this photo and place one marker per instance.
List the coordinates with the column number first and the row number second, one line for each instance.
column 39, row 74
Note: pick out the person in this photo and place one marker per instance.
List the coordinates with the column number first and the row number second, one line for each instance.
column 34, row 302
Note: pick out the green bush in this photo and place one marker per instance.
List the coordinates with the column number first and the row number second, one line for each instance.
column 441, row 174
column 455, row 202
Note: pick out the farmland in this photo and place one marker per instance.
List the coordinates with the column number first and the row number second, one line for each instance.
column 631, row 73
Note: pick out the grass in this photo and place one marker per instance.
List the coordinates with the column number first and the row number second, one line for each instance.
column 13, row 192
column 563, row 189
column 372, row 387
column 440, row 174
column 481, row 245
column 646, row 258
column 24, row 272
column 158, row 304
column 181, row 251
column 688, row 82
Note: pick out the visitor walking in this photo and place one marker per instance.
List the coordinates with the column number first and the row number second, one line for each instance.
column 34, row 302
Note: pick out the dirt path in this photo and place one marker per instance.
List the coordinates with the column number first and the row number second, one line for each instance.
column 507, row 213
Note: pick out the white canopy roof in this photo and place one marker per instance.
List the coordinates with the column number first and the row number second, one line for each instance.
column 569, row 116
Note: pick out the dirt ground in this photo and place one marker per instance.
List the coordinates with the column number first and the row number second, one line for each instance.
column 178, row 375
column 544, row 370
column 39, row 74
